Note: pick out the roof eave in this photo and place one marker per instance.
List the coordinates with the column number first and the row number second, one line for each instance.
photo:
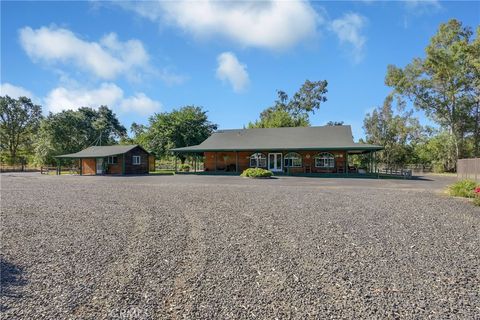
column 191, row 150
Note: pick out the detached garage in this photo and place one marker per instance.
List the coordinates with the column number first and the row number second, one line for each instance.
column 118, row 159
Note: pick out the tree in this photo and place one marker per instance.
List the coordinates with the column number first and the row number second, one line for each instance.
column 293, row 112
column 277, row 117
column 19, row 121
column 184, row 127
column 335, row 123
column 436, row 150
column 473, row 56
column 70, row 131
column 441, row 83
column 398, row 133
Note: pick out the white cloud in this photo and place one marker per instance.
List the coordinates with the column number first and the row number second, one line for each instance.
column 141, row 104
column 7, row 89
column 348, row 29
column 231, row 70
column 423, row 4
column 264, row 24
column 417, row 8
column 108, row 94
column 106, row 59
column 62, row 98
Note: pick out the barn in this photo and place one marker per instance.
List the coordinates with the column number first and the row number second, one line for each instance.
column 117, row 159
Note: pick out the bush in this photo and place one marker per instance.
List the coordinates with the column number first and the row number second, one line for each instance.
column 438, row 167
column 476, row 200
column 463, row 188
column 256, row 173
column 184, row 167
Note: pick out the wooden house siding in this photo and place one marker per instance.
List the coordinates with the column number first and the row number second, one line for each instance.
column 221, row 160
column 88, row 166
column 151, row 163
column 141, row 168
column 115, row 168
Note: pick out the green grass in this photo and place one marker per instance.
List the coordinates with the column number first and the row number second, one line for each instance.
column 443, row 174
column 463, row 188
column 162, row 172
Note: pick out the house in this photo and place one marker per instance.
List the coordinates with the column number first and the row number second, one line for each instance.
column 118, row 159
column 322, row 149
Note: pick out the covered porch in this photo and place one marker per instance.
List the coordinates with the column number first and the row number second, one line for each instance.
column 284, row 162
column 114, row 164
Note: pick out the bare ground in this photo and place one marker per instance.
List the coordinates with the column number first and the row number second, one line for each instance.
column 203, row 247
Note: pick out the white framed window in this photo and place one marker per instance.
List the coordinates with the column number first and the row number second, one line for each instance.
column 112, row 160
column 292, row 159
column 324, row 160
column 258, row 160
column 136, row 160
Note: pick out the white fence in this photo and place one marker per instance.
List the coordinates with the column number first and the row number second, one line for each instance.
column 468, row 169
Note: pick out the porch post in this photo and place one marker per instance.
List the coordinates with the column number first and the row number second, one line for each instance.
column 81, row 169
column 371, row 162
column 216, row 155
column 346, row 163
column 123, row 164
column 195, row 161
column 236, row 161
column 175, row 155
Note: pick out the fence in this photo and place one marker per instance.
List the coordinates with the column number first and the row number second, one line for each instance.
column 17, row 168
column 468, row 169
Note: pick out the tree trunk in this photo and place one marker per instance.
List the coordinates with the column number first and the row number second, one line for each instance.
column 457, row 148
column 13, row 155
column 476, row 131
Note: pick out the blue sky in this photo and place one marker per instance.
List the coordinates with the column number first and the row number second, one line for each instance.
column 228, row 57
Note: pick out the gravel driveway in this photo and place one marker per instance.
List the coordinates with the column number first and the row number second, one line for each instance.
column 203, row 247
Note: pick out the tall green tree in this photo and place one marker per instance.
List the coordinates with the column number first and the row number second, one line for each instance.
column 473, row 56
column 335, row 123
column 182, row 127
column 396, row 131
column 278, row 117
column 295, row 111
column 436, row 150
column 441, row 83
column 19, row 121
column 70, row 131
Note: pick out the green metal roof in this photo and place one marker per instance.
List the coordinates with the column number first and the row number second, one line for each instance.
column 288, row 138
column 100, row 151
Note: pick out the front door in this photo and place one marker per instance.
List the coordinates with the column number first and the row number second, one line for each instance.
column 275, row 161
column 99, row 165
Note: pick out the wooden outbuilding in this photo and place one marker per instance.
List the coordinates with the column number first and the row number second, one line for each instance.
column 117, row 159
column 302, row 150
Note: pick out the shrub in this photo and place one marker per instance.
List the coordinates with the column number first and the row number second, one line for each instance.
column 438, row 167
column 463, row 188
column 476, row 201
column 184, row 167
column 256, row 173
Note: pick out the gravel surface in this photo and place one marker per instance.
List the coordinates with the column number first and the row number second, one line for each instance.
column 203, row 247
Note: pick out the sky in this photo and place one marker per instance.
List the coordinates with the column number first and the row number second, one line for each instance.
column 229, row 57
